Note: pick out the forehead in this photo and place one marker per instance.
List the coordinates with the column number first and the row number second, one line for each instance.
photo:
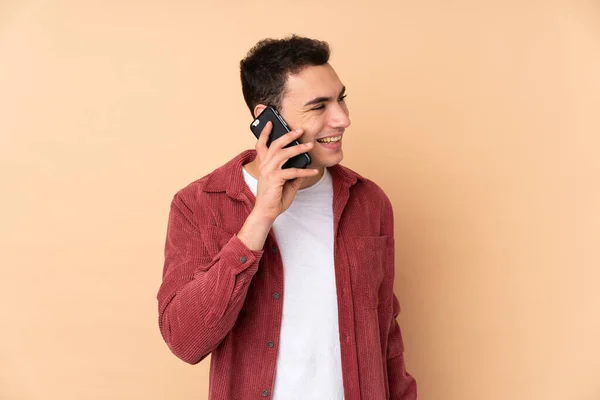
column 313, row 81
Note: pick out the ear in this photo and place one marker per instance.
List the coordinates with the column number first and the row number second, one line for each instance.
column 258, row 109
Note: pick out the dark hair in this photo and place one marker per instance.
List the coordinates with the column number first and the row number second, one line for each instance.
column 267, row 65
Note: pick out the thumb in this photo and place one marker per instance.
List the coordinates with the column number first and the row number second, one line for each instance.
column 296, row 183
column 290, row 189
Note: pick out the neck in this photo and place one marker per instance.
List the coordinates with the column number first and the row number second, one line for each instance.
column 252, row 169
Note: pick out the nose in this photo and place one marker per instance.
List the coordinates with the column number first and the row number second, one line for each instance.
column 339, row 116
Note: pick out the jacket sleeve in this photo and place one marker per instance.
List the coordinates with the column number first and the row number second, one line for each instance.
column 402, row 386
column 205, row 280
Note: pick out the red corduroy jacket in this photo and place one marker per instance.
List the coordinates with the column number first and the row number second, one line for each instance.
column 218, row 297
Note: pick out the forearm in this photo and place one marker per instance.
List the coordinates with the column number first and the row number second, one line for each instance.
column 255, row 230
column 196, row 316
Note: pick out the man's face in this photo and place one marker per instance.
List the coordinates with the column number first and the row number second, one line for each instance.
column 314, row 101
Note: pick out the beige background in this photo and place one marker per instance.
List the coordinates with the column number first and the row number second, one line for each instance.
column 479, row 119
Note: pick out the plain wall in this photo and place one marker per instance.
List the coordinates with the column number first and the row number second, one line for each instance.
column 479, row 119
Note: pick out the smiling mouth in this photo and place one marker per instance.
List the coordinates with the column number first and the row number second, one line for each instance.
column 330, row 139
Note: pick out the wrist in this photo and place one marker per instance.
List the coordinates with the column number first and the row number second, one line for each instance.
column 261, row 218
column 255, row 230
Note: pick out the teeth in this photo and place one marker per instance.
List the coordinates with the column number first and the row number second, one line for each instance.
column 330, row 140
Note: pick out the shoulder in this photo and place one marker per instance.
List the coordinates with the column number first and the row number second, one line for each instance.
column 196, row 198
column 191, row 201
column 195, row 189
column 366, row 190
column 226, row 178
column 369, row 203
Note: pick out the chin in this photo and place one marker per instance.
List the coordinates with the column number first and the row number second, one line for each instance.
column 327, row 162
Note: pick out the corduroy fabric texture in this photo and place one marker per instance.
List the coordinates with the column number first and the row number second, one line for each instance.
column 218, row 297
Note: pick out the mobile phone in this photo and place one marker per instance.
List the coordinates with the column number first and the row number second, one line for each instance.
column 279, row 129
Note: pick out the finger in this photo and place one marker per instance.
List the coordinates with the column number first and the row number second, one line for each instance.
column 292, row 173
column 261, row 144
column 291, row 187
column 286, row 139
column 280, row 157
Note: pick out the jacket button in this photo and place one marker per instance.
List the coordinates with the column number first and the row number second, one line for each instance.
column 276, row 296
column 271, row 344
column 243, row 259
column 264, row 393
column 274, row 249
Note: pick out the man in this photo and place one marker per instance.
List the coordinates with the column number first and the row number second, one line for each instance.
column 286, row 276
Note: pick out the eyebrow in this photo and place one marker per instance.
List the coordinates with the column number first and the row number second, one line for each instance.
column 317, row 100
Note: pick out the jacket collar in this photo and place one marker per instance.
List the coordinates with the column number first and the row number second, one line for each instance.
column 229, row 178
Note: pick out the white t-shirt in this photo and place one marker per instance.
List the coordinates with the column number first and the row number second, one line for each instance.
column 308, row 360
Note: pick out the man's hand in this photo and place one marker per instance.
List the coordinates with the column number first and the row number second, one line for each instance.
column 277, row 187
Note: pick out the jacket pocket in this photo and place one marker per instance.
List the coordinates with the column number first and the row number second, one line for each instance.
column 367, row 256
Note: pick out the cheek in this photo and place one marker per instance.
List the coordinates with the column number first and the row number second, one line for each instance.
column 313, row 127
column 311, row 131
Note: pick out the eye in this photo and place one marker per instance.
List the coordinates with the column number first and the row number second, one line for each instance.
column 343, row 98
column 321, row 107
